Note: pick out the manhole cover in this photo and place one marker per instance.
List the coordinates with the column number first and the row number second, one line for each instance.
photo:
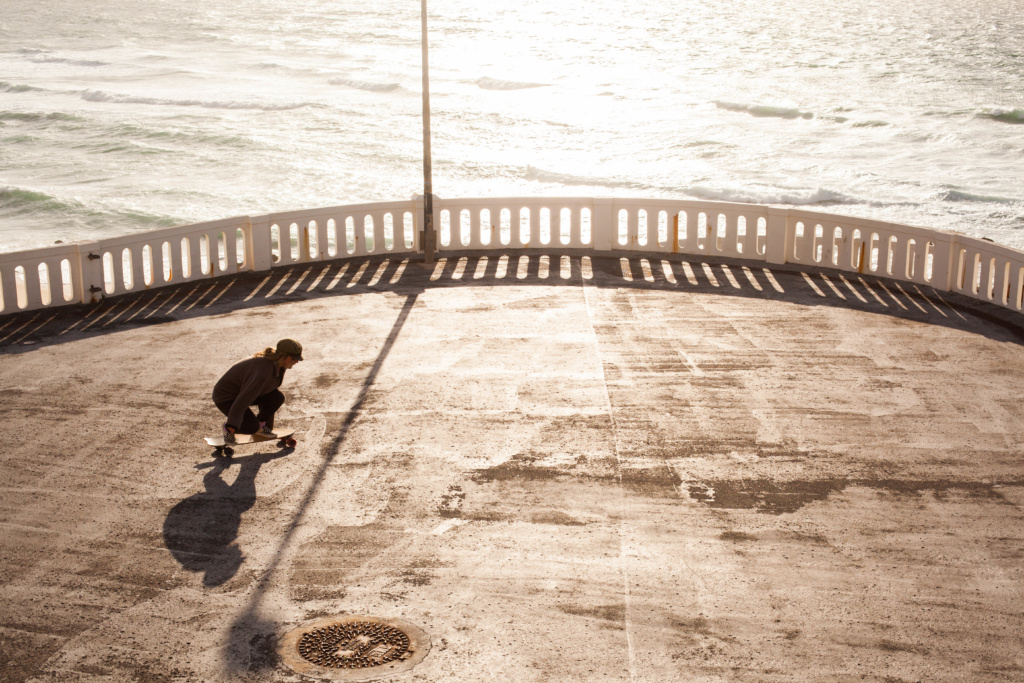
column 354, row 648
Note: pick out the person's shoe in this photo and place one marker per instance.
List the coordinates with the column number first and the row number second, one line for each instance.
column 266, row 432
column 229, row 438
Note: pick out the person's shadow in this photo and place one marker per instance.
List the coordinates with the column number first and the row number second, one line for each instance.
column 201, row 530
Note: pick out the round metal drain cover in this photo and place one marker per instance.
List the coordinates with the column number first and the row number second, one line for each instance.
column 354, row 648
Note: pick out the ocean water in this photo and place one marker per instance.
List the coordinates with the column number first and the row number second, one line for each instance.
column 121, row 117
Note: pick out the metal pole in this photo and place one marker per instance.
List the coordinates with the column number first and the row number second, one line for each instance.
column 429, row 240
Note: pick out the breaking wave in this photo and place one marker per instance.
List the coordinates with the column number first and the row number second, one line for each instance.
column 960, row 196
column 16, row 201
column 762, row 110
column 365, row 85
column 769, row 196
column 64, row 60
column 127, row 130
column 739, row 195
column 495, row 84
column 32, row 117
column 101, row 96
column 1003, row 115
column 16, row 87
column 541, row 176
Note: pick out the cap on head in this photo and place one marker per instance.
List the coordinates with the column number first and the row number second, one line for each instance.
column 290, row 347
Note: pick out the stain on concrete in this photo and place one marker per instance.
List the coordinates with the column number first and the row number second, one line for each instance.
column 555, row 517
column 651, row 481
column 451, row 502
column 939, row 487
column 612, row 613
column 697, row 624
column 519, row 468
column 736, row 536
column 893, row 646
column 764, row 495
column 777, row 498
column 323, row 381
column 698, row 638
column 417, row 578
column 527, row 467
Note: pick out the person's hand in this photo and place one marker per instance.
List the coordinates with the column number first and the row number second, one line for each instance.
column 230, row 429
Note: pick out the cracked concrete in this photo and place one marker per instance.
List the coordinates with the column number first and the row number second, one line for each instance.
column 644, row 470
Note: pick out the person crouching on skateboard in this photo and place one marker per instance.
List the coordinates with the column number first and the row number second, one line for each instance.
column 255, row 382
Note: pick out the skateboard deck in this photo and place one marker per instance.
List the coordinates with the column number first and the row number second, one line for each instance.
column 283, row 437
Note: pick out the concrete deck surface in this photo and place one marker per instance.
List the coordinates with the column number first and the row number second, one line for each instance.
column 694, row 471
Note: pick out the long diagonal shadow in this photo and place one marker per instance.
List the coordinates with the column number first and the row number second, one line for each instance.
column 252, row 638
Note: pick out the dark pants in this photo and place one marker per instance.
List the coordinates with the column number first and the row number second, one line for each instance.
column 267, row 405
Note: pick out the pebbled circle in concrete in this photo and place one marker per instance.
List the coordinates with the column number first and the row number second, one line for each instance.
column 354, row 648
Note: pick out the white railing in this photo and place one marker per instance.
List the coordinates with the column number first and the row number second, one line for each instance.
column 88, row 271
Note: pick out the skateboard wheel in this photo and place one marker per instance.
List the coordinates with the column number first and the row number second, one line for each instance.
column 291, row 442
column 229, row 452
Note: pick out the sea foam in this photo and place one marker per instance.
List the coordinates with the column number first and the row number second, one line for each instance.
column 101, row 96
column 15, row 200
column 365, row 85
column 495, row 84
column 762, row 110
column 542, row 176
column 64, row 60
column 16, row 87
column 1003, row 115
column 961, row 196
column 773, row 196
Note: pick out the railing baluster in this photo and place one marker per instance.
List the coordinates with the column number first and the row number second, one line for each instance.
column 957, row 263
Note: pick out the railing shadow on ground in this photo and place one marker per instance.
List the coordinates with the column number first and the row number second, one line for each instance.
column 402, row 274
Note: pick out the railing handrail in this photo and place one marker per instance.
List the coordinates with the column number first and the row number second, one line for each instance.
column 88, row 271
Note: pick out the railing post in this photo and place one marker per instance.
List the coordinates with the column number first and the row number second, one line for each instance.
column 951, row 281
column 258, row 243
column 91, row 272
column 77, row 284
column 9, row 290
column 420, row 227
column 778, row 236
column 418, row 214
column 601, row 224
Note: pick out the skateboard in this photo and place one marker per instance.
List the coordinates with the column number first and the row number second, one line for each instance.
column 283, row 437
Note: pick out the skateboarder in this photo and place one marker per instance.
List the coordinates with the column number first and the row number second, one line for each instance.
column 255, row 382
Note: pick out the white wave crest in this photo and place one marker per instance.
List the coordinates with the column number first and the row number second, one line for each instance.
column 495, row 84
column 365, row 85
column 64, row 60
column 763, row 110
column 16, row 87
column 770, row 196
column 951, row 195
column 101, row 96
column 1003, row 115
column 541, row 176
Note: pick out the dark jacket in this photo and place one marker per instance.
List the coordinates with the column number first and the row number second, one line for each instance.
column 244, row 383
